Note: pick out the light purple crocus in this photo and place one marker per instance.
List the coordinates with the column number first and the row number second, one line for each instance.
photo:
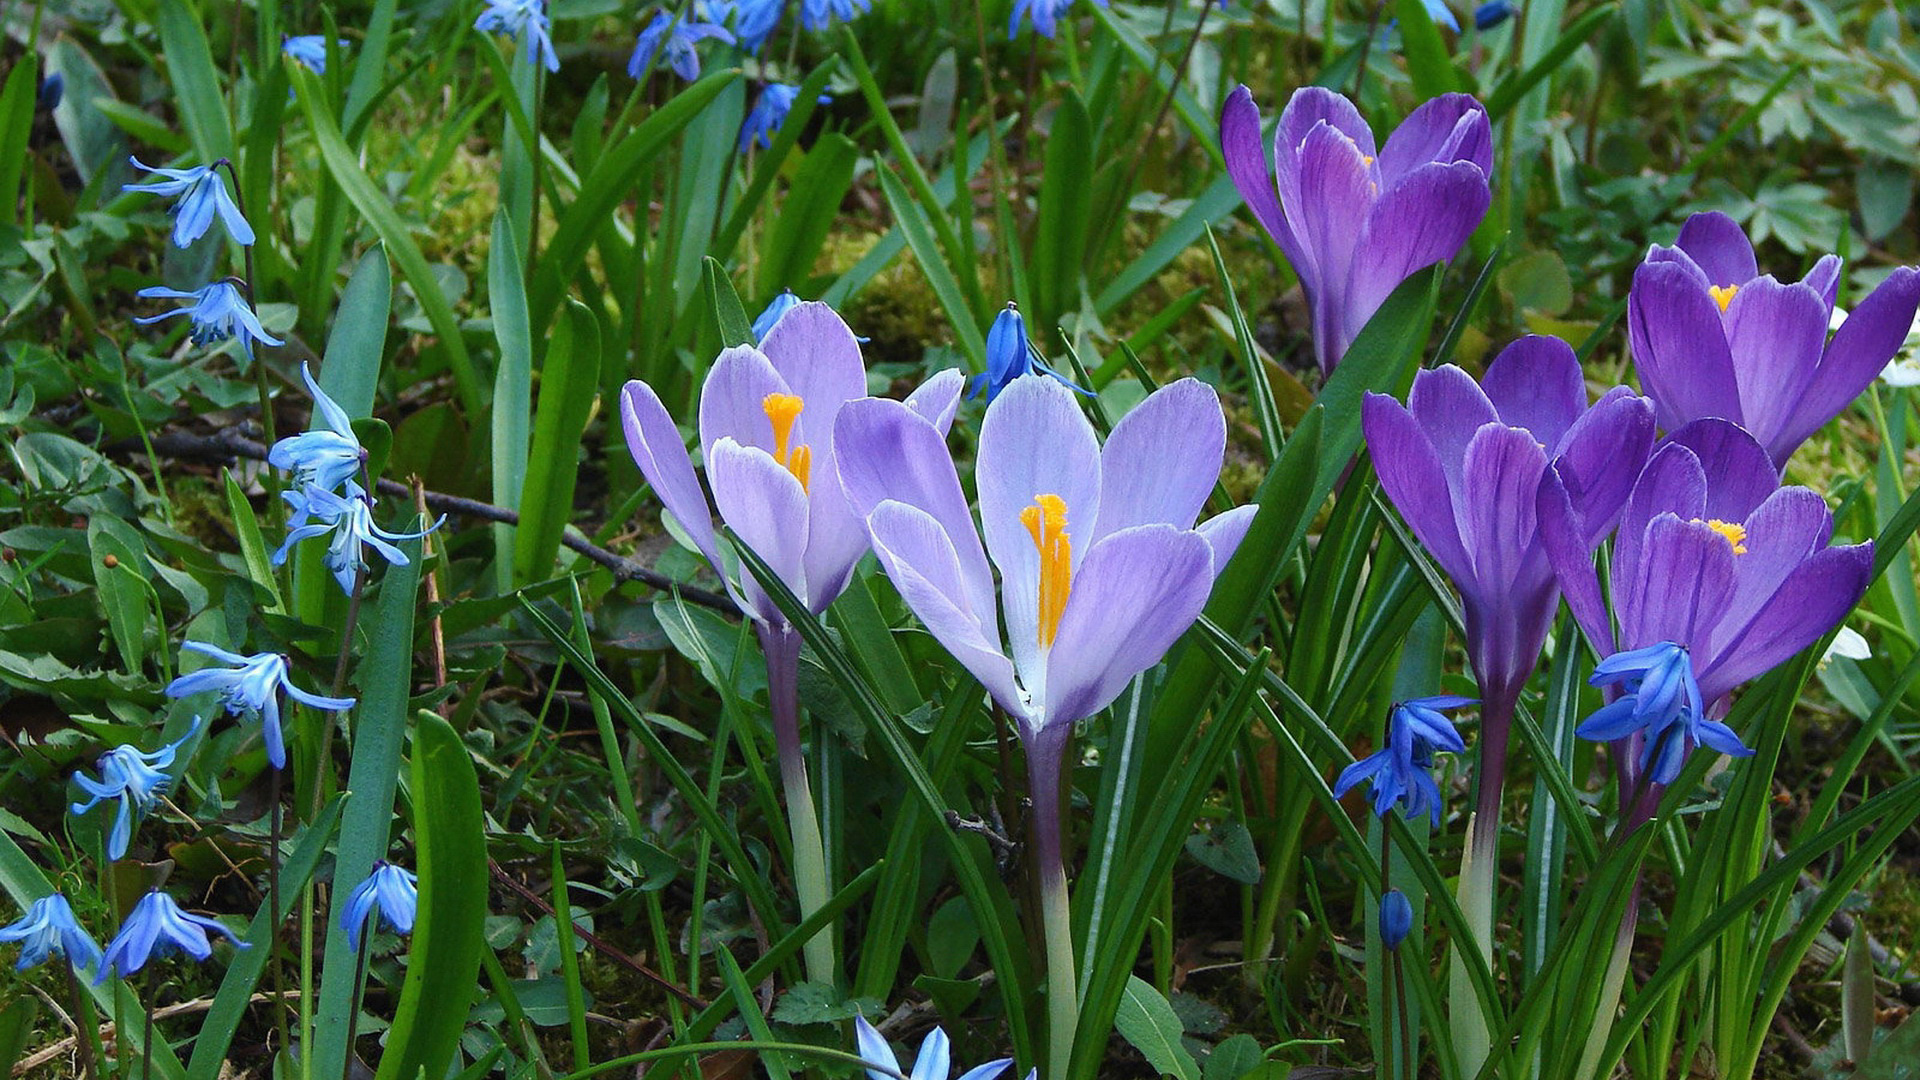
column 1353, row 221
column 1101, row 568
column 1713, row 556
column 1712, row 336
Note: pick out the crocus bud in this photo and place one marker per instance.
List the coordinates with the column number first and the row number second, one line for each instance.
column 1396, row 918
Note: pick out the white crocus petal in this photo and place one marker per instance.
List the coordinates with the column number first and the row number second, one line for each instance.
column 1848, row 643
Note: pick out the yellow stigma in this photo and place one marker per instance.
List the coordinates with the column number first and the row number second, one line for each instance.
column 1722, row 295
column 1046, row 522
column 782, row 410
column 1366, row 159
column 1735, row 533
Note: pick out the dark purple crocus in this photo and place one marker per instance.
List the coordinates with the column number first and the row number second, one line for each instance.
column 1355, row 222
column 1718, row 574
column 1712, row 336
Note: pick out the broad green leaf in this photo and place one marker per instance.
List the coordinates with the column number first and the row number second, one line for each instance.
column 728, row 316
column 357, row 344
column 1149, row 1023
column 195, row 82
column 569, row 379
column 253, row 547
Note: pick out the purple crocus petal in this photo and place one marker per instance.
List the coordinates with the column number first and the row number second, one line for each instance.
column 1034, row 441
column 1161, row 460
column 1224, row 533
column 1536, row 383
column 1873, row 332
column 1739, row 475
column 1782, row 533
column 766, row 507
column 1680, row 346
column 658, row 450
column 918, row 556
column 733, row 400
column 1448, row 128
column 1601, row 457
column 1502, row 469
column 1719, row 246
column 1563, row 535
column 1450, row 407
column 1684, row 584
column 1308, row 107
column 937, row 399
column 1824, row 279
column 884, row 450
column 1329, row 196
column 1672, row 482
column 1812, row 601
column 819, row 359
column 1414, row 477
column 1137, row 592
column 1240, row 144
column 1775, row 334
column 1421, row 220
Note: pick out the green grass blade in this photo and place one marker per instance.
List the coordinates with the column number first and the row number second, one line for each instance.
column 196, row 84
column 807, row 213
column 351, row 372
column 568, row 380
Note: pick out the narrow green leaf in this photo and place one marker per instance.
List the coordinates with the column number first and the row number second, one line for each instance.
column 568, row 381
column 1427, row 60
column 1515, row 86
column 1065, row 214
column 195, row 82
column 808, row 212
column 728, row 314
column 914, row 224
column 16, row 123
column 511, row 419
column 17, row 1022
column 357, row 344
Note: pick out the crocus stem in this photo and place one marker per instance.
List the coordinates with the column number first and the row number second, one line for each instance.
column 1479, row 869
column 1044, row 757
column 86, row 1032
column 1609, row 1001
column 781, row 645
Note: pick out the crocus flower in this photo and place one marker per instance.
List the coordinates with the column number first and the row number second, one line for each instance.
column 1712, row 336
column 819, row 14
column 136, row 778
column 775, row 309
column 769, row 112
column 1355, row 222
column 1493, row 13
column 349, row 518
column 678, row 36
column 1398, row 771
column 1010, row 354
column 526, row 22
column 1396, row 918
column 48, row 929
column 329, row 455
column 309, row 51
column 157, row 928
column 753, row 20
column 1045, row 14
column 934, row 1061
column 391, row 890
column 218, row 312
column 251, row 687
column 1718, row 574
column 203, row 194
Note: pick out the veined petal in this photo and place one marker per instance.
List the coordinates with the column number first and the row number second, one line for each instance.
column 1162, row 460
column 1812, row 600
column 1680, row 346
column 1421, row 219
column 1415, row 479
column 1873, row 333
column 819, row 359
column 1536, row 383
column 1241, row 145
column 1137, row 592
column 1450, row 407
column 1672, row 482
column 1824, row 279
column 1686, row 580
column 1782, row 533
column 658, row 450
column 1738, row 473
column 1719, row 246
column 1327, row 202
column 1223, row 532
column 1563, row 535
column 937, row 399
column 1447, row 128
column 766, row 508
column 1502, row 471
column 1775, row 334
column 873, row 1048
column 733, row 400
column 935, row 1059
column 1310, row 106
column 1601, row 457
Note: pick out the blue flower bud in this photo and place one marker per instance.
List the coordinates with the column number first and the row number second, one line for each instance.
column 1396, row 918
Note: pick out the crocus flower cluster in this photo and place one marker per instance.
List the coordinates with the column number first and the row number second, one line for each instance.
column 1353, row 221
column 526, row 22
column 678, row 37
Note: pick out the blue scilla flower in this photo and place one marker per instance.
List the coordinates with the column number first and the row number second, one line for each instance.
column 251, row 687
column 678, row 37
column 526, row 22
column 327, row 456
column 203, row 194
column 349, row 518
column 52, row 89
column 769, row 112
column 1398, row 770
column 1009, row 356
column 1045, row 13
column 391, row 890
column 1662, row 703
column 48, row 929
column 1493, row 13
column 767, row 319
column 218, row 312
column 819, row 14
column 1396, row 918
column 1441, row 14
column 753, row 20
column 309, row 51
column 157, row 927
column 934, row 1061
column 136, row 778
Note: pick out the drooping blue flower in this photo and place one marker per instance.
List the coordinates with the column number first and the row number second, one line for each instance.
column 135, row 778
column 251, row 687
column 309, row 51
column 1399, row 770
column 819, row 14
column 1046, row 15
column 934, row 1061
column 526, row 22
column 1441, row 14
column 156, row 928
column 1493, row 13
column 203, row 194
column 1662, row 703
column 392, row 890
column 767, row 319
column 753, row 20
column 769, row 113
column 48, row 929
column 329, row 455
column 678, row 37
column 1010, row 355
column 1396, row 918
column 218, row 312
column 350, row 519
